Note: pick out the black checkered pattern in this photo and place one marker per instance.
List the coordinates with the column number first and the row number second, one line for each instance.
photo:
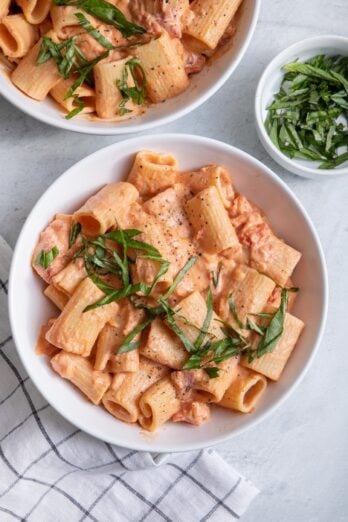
column 50, row 471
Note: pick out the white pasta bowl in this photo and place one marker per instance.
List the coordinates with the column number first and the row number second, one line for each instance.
column 29, row 308
column 202, row 86
column 269, row 84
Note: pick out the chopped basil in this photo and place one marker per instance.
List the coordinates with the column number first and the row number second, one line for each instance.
column 77, row 110
column 46, row 258
column 212, row 371
column 207, row 321
column 275, row 328
column 74, row 232
column 107, row 13
column 308, row 116
column 135, row 93
column 180, row 276
column 104, row 42
column 234, row 312
column 216, row 277
column 84, row 72
column 128, row 344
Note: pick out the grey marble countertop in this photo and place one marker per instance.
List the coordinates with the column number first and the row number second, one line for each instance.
column 298, row 457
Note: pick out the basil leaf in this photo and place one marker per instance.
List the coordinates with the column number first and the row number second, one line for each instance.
column 116, row 295
column 46, row 258
column 190, row 347
column 212, row 371
column 193, row 363
column 275, row 328
column 49, row 49
column 77, row 110
column 251, row 325
column 107, row 13
column 331, row 164
column 164, row 266
column 207, row 321
column 104, row 42
column 180, row 276
column 127, row 344
column 264, row 315
column 83, row 73
column 136, row 93
column 234, row 312
column 74, row 232
column 115, row 235
column 68, row 60
column 216, row 277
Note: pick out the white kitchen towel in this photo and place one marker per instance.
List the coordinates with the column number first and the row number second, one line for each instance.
column 50, row 471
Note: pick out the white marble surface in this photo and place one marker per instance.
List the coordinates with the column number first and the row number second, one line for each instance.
column 298, row 457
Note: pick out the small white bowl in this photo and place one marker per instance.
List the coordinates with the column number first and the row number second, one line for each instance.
column 29, row 308
column 269, row 85
column 202, row 87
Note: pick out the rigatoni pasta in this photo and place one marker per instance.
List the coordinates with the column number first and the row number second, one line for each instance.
column 85, row 94
column 245, row 391
column 79, row 371
column 209, row 21
column 163, row 64
column 210, row 220
column 35, row 81
column 106, row 209
column 17, row 36
column 158, row 404
column 93, row 66
column 75, row 330
column 162, row 309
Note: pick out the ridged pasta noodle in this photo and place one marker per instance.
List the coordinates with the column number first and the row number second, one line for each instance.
column 17, row 36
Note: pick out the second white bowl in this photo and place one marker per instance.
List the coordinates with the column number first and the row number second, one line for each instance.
column 269, row 85
column 202, row 86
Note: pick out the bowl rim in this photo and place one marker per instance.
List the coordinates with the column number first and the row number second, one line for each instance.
column 292, row 165
column 91, row 128
column 201, row 141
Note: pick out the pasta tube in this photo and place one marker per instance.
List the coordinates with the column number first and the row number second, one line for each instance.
column 272, row 364
column 35, row 80
column 43, row 347
column 108, row 95
column 108, row 343
column 57, row 297
column 85, row 93
column 209, row 21
column 168, row 208
column 152, row 172
column 75, row 330
column 163, row 346
column 122, row 400
column 245, row 391
column 210, row 176
column 210, row 220
column 79, row 371
column 17, row 36
column 249, row 292
column 107, row 208
column 192, row 312
column 157, row 404
column 164, row 67
column 275, row 258
column 35, row 11
column 70, row 277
